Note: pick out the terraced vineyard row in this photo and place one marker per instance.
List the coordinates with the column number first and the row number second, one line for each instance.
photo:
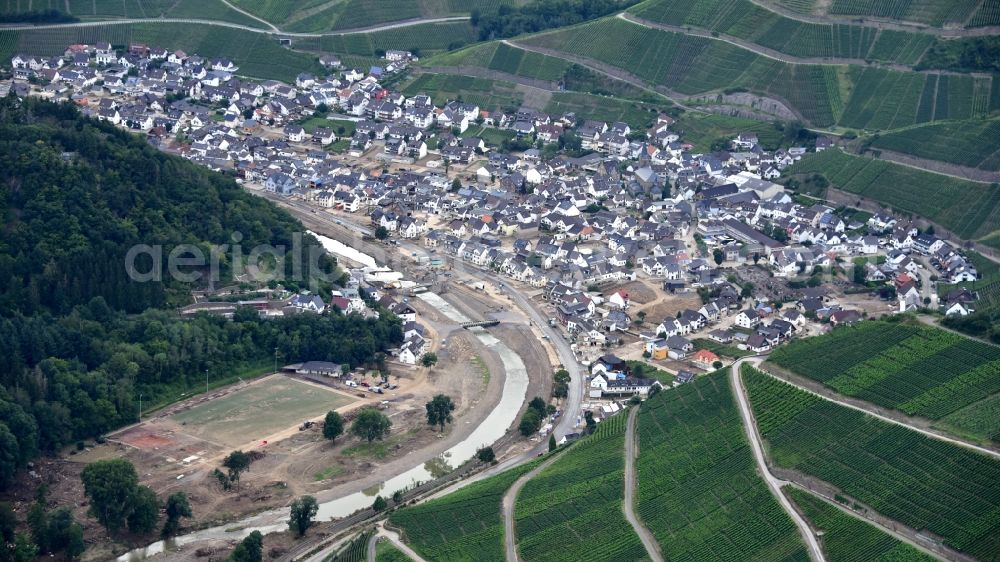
column 847, row 538
column 746, row 20
column 969, row 209
column 426, row 38
column 111, row 9
column 859, row 97
column 918, row 370
column 572, row 510
column 931, row 12
column 693, row 65
column 488, row 94
column 464, row 525
column 353, row 14
column 956, row 142
column 938, row 488
column 698, row 491
column 275, row 11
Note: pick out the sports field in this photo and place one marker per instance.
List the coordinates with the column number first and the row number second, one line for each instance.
column 261, row 409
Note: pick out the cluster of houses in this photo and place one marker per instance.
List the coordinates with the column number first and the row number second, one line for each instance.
column 641, row 202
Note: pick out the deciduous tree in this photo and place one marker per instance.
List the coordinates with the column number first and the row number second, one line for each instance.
column 333, row 425
column 439, row 411
column 303, row 511
column 371, row 425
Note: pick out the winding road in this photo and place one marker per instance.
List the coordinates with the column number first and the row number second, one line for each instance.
column 773, row 482
column 381, row 533
column 628, row 507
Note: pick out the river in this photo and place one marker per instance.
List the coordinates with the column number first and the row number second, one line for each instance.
column 515, row 390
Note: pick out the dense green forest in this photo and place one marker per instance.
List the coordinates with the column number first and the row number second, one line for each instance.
column 79, row 339
column 509, row 21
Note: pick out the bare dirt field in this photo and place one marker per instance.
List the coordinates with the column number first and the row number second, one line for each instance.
column 666, row 306
column 639, row 292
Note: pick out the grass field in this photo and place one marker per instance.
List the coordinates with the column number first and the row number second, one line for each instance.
column 465, row 525
column 919, row 370
column 263, row 408
column 924, row 483
column 698, row 489
column 849, row 539
column 572, row 510
column 959, row 142
column 386, row 552
column 969, row 209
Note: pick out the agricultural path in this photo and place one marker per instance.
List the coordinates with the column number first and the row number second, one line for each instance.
column 628, row 507
column 774, row 483
column 607, row 70
column 879, row 23
column 507, row 505
column 382, row 533
column 249, row 15
column 231, row 25
column 758, row 49
column 861, row 406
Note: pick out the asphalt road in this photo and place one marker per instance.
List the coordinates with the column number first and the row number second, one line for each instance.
column 628, row 507
column 773, row 482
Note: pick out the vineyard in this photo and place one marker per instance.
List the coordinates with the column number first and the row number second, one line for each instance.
column 355, row 14
column 693, row 65
column 572, row 510
column 887, row 99
column 638, row 115
column 275, row 11
column 425, row 38
column 931, row 12
column 356, row 550
column 698, row 490
column 488, row 94
column 115, row 9
column 967, row 208
column 935, row 487
column 919, row 370
column 849, row 539
column 464, row 525
column 747, row 20
column 958, row 142
column 987, row 14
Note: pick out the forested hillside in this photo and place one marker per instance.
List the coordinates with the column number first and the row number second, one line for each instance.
column 79, row 340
